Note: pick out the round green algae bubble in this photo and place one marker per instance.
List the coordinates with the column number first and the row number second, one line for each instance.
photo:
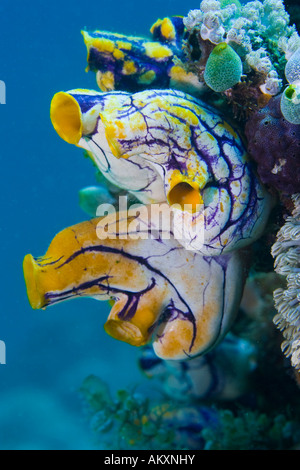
column 292, row 68
column 223, row 68
column 290, row 104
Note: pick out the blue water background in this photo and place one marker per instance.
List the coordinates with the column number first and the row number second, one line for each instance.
column 50, row 352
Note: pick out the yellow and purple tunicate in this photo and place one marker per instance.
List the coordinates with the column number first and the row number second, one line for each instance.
column 76, row 118
column 164, row 145
column 184, row 302
column 133, row 63
column 172, row 285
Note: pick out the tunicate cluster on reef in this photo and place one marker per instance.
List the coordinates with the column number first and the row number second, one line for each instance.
column 177, row 290
column 290, row 100
column 274, row 143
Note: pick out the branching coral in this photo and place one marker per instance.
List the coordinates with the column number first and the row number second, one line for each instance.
column 286, row 251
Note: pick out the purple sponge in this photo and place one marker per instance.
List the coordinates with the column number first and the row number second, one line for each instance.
column 274, row 143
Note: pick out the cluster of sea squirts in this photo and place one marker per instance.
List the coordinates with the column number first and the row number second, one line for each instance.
column 157, row 130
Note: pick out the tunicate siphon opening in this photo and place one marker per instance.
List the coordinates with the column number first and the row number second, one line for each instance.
column 186, row 196
column 66, row 117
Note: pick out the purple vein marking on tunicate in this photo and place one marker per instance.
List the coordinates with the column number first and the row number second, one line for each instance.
column 229, row 225
column 211, row 129
column 88, row 101
column 174, row 116
column 132, row 108
column 90, row 138
column 159, row 93
column 150, row 180
column 226, row 186
column 154, row 127
column 145, row 188
column 219, row 139
column 169, row 93
column 246, row 215
column 200, row 151
column 172, row 313
column 177, row 146
column 41, row 264
column 128, row 110
column 128, row 144
column 133, row 298
column 249, row 205
column 174, row 164
column 155, row 141
column 210, row 216
column 223, row 264
column 175, row 248
column 182, row 97
column 142, row 261
column 252, row 209
column 55, row 297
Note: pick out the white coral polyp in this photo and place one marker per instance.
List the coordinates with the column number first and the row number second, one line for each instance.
column 272, row 86
column 193, row 19
column 295, row 350
column 210, row 5
column 286, row 251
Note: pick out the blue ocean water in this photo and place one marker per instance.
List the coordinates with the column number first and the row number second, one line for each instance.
column 49, row 353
